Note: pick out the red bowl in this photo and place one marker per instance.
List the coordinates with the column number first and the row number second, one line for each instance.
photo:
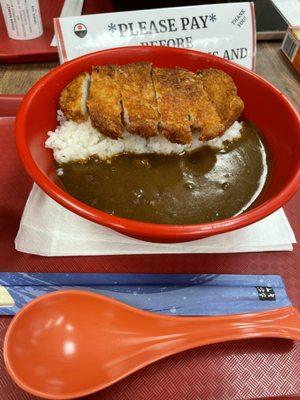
column 265, row 105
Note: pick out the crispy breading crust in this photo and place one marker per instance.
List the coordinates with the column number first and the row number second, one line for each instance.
column 104, row 101
column 223, row 93
column 202, row 112
column 138, row 99
column 173, row 102
column 172, row 106
column 70, row 101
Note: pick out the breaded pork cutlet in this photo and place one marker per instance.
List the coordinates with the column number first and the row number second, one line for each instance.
column 172, row 106
column 138, row 99
column 223, row 93
column 150, row 101
column 104, row 101
column 202, row 112
column 72, row 100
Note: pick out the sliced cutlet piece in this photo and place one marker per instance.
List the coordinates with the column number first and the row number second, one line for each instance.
column 104, row 101
column 72, row 101
column 172, row 106
column 140, row 112
column 202, row 112
column 223, row 93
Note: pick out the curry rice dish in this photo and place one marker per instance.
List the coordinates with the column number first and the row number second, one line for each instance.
column 158, row 144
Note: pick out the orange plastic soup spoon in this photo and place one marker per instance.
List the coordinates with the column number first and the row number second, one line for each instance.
column 72, row 343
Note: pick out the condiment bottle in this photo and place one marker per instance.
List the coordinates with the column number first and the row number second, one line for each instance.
column 22, row 19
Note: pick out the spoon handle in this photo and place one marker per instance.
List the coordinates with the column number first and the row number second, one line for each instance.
column 188, row 332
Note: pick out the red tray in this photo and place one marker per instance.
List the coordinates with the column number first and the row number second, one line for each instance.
column 244, row 369
column 17, row 51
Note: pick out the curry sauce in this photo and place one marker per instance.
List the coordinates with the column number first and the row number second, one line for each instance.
column 203, row 186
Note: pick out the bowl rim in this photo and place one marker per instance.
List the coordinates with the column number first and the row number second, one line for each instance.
column 138, row 228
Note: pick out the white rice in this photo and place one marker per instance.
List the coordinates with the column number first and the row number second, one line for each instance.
column 73, row 141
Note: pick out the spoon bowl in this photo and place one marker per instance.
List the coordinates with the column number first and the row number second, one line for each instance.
column 68, row 344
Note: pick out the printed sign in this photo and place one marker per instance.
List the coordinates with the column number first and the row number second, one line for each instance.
column 225, row 30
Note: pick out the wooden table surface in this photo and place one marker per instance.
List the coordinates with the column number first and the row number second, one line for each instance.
column 271, row 64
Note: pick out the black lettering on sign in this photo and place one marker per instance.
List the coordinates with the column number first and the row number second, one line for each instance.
column 152, row 28
column 133, row 32
column 123, row 29
column 238, row 17
column 242, row 21
column 143, row 27
column 184, row 22
column 195, row 24
column 204, row 19
column 235, row 54
column 186, row 42
column 189, row 42
column 192, row 23
column 163, row 26
column 265, row 293
column 172, row 27
column 147, row 27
